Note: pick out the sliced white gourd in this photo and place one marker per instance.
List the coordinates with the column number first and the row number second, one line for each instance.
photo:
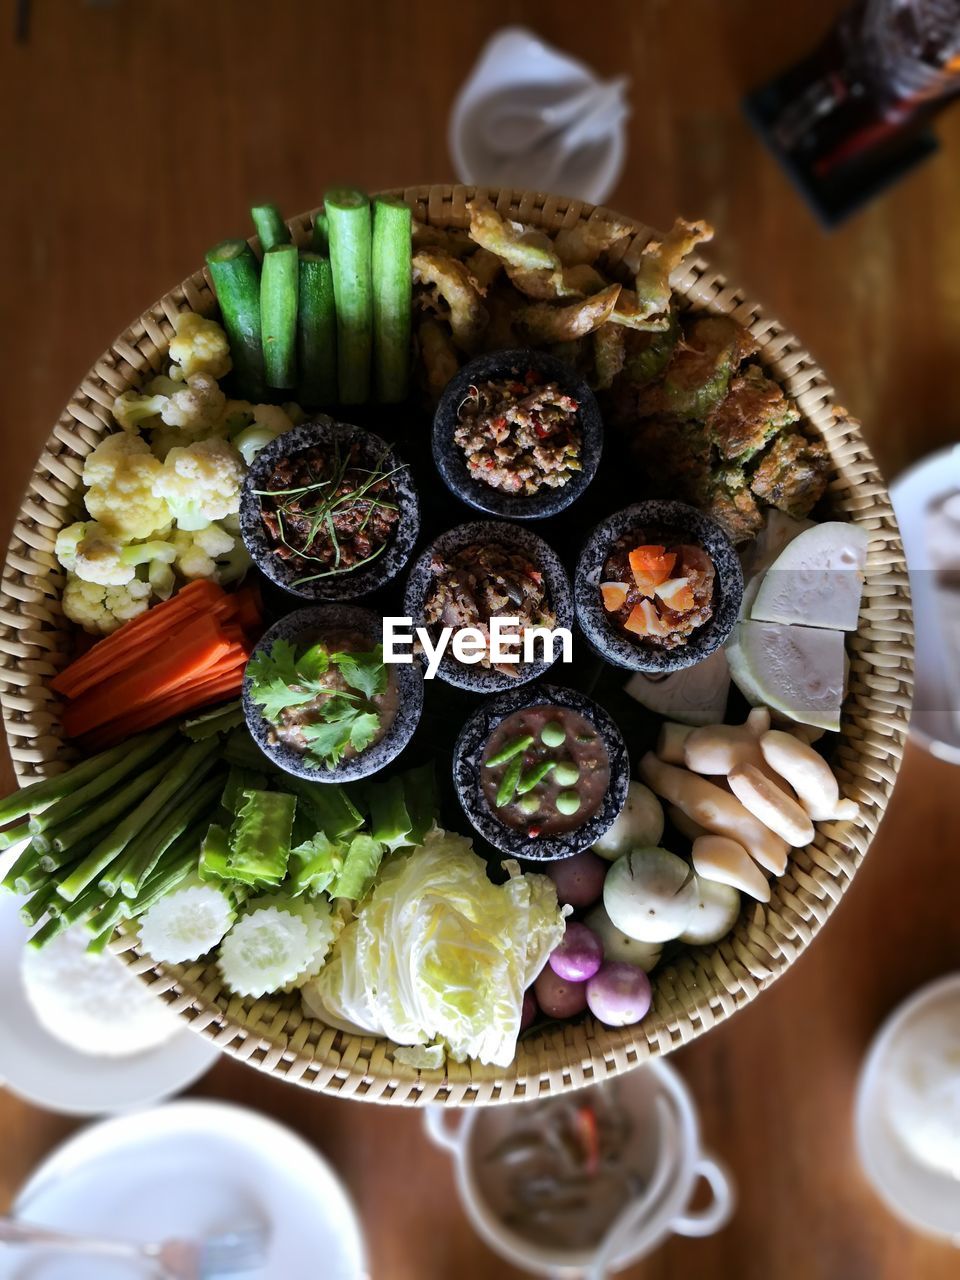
column 716, row 912
column 697, row 695
column 640, row 822
column 778, row 531
column 817, row 580
column 796, row 671
column 617, row 946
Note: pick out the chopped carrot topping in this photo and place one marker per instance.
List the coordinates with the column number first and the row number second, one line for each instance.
column 651, row 566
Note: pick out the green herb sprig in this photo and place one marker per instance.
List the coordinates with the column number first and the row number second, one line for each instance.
column 280, row 680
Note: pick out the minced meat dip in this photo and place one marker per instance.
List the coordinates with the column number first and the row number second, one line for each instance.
column 519, row 435
column 484, row 580
column 327, row 509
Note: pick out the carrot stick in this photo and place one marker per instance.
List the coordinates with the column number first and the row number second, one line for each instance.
column 178, row 704
column 199, row 646
column 134, row 637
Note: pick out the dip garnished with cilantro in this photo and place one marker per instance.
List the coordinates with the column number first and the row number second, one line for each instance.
column 330, row 700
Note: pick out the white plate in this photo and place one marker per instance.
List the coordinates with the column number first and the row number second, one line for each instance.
column 43, row 1070
column 193, row 1169
column 932, row 722
column 925, row 1199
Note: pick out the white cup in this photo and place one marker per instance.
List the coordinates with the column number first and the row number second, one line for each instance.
column 678, row 1148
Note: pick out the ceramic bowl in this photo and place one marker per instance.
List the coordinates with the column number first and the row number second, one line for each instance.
column 304, row 627
column 476, row 678
column 466, row 774
column 452, row 463
column 353, row 583
column 680, row 522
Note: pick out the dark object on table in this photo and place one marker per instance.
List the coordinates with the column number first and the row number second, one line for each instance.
column 853, row 117
column 332, row 530
column 477, row 587
column 675, row 524
column 542, row 383
column 480, row 749
column 302, row 629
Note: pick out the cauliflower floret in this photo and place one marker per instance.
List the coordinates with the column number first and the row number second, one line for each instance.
column 197, row 551
column 253, row 426
column 121, row 475
column 199, row 346
column 201, row 483
column 196, row 405
column 101, row 609
column 95, row 555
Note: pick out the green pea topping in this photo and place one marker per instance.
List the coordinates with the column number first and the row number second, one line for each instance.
column 566, row 773
column 553, row 734
column 568, row 802
column 529, row 803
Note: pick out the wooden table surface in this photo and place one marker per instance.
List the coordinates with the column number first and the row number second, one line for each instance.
column 136, row 134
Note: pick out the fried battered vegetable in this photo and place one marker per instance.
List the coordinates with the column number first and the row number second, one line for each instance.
column 575, row 353
column 549, row 286
column 662, row 257
column 484, row 266
column 438, row 356
column 792, row 474
column 512, row 241
column 544, row 323
column 455, row 285
column 631, row 314
column 753, row 411
column 451, row 240
column 647, row 354
column 585, row 242
column 503, row 304
column 696, row 379
column 727, row 498
column 609, row 353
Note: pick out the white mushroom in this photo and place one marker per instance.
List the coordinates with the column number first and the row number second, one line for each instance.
column 718, row 858
column 808, row 773
column 771, row 804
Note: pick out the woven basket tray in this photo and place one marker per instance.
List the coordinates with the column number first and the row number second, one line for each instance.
column 700, row 988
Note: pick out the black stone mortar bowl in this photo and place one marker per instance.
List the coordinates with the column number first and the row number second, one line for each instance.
column 475, row 677
column 467, row 771
column 286, row 573
column 674, row 522
column 305, row 627
column 451, row 461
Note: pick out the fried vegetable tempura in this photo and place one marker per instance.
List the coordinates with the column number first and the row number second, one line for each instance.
column 544, row 323
column 450, row 239
column 752, row 412
column 698, row 374
column 550, row 286
column 632, row 314
column 647, row 354
column 583, row 243
column 484, row 267
column 792, row 474
column 512, row 241
column 438, row 356
column 609, row 353
column 455, row 285
column 662, row 257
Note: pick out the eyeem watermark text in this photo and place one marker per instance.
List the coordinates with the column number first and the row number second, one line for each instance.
column 501, row 642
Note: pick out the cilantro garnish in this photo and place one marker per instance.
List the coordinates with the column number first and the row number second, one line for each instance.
column 280, row 680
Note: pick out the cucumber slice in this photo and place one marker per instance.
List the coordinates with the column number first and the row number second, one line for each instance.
column 323, row 928
column 264, row 951
column 187, row 923
column 817, row 580
column 716, row 912
column 796, row 671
